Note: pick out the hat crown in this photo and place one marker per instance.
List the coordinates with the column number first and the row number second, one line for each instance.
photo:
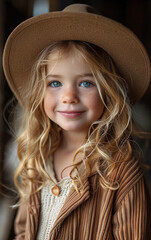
column 80, row 8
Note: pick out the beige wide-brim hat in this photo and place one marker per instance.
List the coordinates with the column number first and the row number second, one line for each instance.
column 76, row 22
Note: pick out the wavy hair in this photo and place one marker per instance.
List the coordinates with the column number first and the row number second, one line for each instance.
column 109, row 138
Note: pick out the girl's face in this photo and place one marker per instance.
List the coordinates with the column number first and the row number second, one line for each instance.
column 72, row 99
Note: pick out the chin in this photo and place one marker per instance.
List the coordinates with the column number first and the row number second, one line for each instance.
column 74, row 128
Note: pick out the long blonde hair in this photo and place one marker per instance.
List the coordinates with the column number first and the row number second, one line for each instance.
column 108, row 137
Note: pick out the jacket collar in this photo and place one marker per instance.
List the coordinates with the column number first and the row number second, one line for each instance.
column 73, row 200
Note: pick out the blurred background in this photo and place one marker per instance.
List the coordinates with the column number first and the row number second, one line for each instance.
column 135, row 14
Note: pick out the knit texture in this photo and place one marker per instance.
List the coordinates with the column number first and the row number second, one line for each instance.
column 51, row 206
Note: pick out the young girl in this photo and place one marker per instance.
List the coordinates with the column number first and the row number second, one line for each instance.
column 76, row 73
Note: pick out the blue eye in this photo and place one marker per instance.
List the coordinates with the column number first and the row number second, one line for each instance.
column 86, row 84
column 55, row 84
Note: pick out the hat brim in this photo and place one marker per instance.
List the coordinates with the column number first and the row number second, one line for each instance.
column 33, row 35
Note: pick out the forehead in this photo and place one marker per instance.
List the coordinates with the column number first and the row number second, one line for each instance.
column 70, row 59
column 64, row 52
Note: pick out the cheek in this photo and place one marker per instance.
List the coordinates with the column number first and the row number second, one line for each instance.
column 94, row 99
column 96, row 104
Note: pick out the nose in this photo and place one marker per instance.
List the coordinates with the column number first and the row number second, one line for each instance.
column 70, row 96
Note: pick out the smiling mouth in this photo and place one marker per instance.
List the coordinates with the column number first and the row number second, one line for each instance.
column 71, row 114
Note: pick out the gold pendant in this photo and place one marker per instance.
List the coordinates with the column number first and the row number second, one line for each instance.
column 56, row 190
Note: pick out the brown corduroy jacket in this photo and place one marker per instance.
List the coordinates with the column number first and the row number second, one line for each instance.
column 96, row 214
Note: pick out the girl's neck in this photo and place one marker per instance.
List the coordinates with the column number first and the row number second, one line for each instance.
column 71, row 141
column 63, row 156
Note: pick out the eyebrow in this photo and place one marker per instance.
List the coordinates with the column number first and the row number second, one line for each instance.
column 78, row 75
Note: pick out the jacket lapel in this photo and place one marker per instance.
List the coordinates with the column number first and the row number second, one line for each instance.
column 73, row 200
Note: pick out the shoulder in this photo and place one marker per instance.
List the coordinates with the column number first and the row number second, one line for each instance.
column 127, row 174
column 131, row 202
column 132, row 184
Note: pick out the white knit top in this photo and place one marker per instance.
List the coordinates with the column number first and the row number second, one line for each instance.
column 51, row 204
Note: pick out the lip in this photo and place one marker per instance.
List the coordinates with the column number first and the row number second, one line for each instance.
column 71, row 114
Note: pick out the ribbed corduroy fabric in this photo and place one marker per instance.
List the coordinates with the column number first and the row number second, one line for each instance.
column 98, row 213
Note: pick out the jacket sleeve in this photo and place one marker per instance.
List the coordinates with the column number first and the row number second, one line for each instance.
column 131, row 220
column 20, row 222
